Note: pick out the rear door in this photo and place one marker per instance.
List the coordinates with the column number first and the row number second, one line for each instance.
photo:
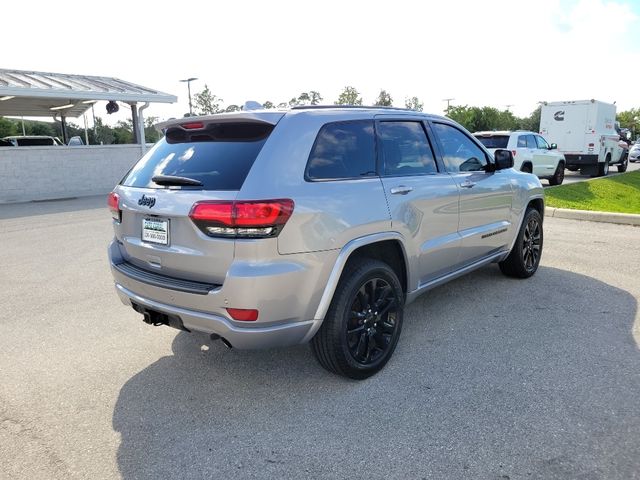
column 485, row 196
column 155, row 232
column 422, row 198
column 522, row 153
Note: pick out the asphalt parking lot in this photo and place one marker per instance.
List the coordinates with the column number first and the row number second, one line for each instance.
column 574, row 177
column 493, row 378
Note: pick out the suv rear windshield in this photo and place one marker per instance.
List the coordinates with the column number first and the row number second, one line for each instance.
column 494, row 141
column 219, row 156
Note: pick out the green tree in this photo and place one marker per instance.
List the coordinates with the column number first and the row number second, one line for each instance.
column 477, row 119
column 630, row 119
column 384, row 99
column 206, row 103
column 123, row 132
column 306, row 98
column 232, row 108
column 8, row 127
column 532, row 122
column 268, row 105
column 413, row 103
column 349, row 96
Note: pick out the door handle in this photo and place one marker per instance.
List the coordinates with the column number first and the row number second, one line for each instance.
column 467, row 184
column 401, row 190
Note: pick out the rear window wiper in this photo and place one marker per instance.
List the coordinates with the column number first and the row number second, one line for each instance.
column 173, row 180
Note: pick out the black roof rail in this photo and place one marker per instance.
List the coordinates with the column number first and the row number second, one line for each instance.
column 321, row 107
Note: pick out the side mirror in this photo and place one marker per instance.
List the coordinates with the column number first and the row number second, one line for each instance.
column 503, row 158
column 553, row 146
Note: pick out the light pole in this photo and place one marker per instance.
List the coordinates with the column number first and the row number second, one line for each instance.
column 189, row 80
column 448, row 100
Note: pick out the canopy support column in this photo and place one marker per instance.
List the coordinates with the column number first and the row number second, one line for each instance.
column 140, row 127
column 134, row 118
column 63, row 122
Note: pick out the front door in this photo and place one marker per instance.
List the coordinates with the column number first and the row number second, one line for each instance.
column 485, row 196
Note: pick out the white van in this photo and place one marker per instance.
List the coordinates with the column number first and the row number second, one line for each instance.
column 585, row 131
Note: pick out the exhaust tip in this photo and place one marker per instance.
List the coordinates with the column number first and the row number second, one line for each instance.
column 226, row 343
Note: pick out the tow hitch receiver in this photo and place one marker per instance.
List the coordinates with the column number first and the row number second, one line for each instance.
column 155, row 318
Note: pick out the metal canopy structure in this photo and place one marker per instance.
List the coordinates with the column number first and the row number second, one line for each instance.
column 35, row 94
column 42, row 94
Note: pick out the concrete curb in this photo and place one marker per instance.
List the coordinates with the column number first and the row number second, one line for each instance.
column 606, row 217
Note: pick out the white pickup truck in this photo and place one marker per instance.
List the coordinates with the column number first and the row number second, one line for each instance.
column 585, row 131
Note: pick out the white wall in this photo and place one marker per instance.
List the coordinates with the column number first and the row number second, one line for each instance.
column 45, row 173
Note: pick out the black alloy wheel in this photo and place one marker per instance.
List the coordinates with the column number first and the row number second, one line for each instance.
column 361, row 329
column 532, row 244
column 372, row 321
column 524, row 258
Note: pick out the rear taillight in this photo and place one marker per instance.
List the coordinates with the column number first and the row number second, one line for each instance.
column 113, row 200
column 513, row 152
column 242, row 219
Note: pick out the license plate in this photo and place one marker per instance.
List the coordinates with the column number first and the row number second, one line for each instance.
column 155, row 230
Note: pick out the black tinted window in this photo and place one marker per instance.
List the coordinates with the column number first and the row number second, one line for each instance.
column 343, row 150
column 35, row 142
column 459, row 152
column 219, row 156
column 405, row 149
column 522, row 141
column 494, row 141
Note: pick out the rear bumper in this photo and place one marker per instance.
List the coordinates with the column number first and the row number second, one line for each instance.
column 286, row 291
column 242, row 338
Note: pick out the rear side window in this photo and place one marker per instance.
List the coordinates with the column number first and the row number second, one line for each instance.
column 494, row 141
column 522, row 141
column 220, row 156
column 343, row 150
column 531, row 142
column 405, row 149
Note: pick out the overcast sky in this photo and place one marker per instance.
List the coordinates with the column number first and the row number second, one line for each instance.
column 487, row 52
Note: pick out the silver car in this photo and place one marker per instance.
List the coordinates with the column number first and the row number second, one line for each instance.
column 634, row 152
column 270, row 228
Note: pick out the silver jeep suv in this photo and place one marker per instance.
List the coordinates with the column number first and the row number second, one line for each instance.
column 271, row 228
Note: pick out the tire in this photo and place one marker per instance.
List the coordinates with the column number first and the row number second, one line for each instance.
column 526, row 168
column 558, row 176
column 603, row 168
column 525, row 255
column 623, row 166
column 353, row 341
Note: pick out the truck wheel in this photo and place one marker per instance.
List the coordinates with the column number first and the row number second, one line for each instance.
column 526, row 168
column 558, row 176
column 603, row 168
column 363, row 323
column 623, row 166
column 525, row 255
